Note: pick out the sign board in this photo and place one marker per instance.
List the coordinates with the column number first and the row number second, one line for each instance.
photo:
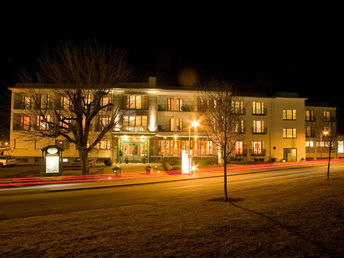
column 52, row 164
column 52, row 160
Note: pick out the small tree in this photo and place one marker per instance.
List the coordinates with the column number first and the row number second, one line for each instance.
column 329, row 135
column 223, row 121
column 79, row 79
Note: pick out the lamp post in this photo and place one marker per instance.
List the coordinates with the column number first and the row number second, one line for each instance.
column 192, row 124
column 327, row 133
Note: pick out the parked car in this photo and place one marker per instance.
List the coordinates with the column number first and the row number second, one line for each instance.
column 7, row 161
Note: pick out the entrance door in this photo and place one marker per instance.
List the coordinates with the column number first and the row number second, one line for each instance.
column 133, row 151
column 289, row 154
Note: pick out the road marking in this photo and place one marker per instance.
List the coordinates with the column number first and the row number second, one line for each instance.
column 187, row 186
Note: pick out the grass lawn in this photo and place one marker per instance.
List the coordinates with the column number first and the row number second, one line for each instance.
column 300, row 218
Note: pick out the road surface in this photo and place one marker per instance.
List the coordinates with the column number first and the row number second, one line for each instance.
column 56, row 202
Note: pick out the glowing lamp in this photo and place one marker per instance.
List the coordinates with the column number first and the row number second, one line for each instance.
column 185, row 163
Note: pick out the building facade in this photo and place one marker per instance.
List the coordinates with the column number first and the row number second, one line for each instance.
column 155, row 123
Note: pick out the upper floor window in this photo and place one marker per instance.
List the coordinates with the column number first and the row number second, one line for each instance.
column 174, row 104
column 65, row 103
column 258, row 108
column 87, row 99
column 104, row 121
column 27, row 102
column 309, row 115
column 238, row 107
column 176, row 124
column 309, row 131
column 239, row 126
column 105, row 101
column 258, row 126
column 41, row 122
column 289, row 133
column 135, row 102
column 43, row 101
column 328, row 116
column 25, row 122
column 134, row 123
column 289, row 114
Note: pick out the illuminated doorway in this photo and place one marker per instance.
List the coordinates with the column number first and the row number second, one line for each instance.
column 289, row 154
column 134, row 150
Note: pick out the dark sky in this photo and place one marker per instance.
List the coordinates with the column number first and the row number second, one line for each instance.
column 286, row 46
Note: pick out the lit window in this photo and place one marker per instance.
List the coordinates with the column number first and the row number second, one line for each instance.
column 309, row 115
column 289, row 114
column 174, row 104
column 328, row 116
column 238, row 107
column 257, row 148
column 104, row 121
column 44, row 101
column 135, row 102
column 41, row 122
column 289, row 133
column 309, row 144
column 258, row 108
column 309, row 131
column 340, row 147
column 25, row 123
column 105, row 101
column 134, row 123
column 239, row 148
column 65, row 103
column 176, row 124
column 104, row 145
column 258, row 126
column 27, row 102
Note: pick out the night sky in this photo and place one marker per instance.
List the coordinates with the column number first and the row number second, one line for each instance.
column 262, row 47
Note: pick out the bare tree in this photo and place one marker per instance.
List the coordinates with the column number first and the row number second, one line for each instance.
column 223, row 121
column 329, row 137
column 70, row 95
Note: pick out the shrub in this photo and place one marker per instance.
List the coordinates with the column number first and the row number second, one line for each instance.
column 108, row 162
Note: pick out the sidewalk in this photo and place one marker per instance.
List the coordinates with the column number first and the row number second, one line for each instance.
column 135, row 174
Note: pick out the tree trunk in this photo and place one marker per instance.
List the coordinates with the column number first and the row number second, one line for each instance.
column 225, row 173
column 83, row 154
column 329, row 160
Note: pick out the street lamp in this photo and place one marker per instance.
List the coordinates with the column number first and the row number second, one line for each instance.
column 327, row 133
column 193, row 124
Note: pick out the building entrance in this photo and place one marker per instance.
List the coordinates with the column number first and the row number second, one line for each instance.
column 133, row 150
column 289, row 154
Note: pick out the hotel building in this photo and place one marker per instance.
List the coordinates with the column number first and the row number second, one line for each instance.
column 154, row 123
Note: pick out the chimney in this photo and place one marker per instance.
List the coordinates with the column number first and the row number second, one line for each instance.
column 152, row 82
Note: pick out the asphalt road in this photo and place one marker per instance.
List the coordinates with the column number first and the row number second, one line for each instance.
column 39, row 204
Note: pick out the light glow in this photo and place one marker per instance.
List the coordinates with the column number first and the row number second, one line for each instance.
column 185, row 163
column 52, row 164
column 194, row 123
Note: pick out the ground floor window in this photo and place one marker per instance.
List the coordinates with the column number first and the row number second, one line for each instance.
column 340, row 147
column 174, row 147
column 239, row 147
column 257, row 148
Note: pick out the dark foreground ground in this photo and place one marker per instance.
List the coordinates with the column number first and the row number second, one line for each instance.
column 270, row 215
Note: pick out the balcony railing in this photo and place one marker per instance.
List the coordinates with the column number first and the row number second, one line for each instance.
column 261, row 113
column 264, row 131
column 183, row 108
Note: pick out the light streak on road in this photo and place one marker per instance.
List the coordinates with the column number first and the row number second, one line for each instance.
column 40, row 181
